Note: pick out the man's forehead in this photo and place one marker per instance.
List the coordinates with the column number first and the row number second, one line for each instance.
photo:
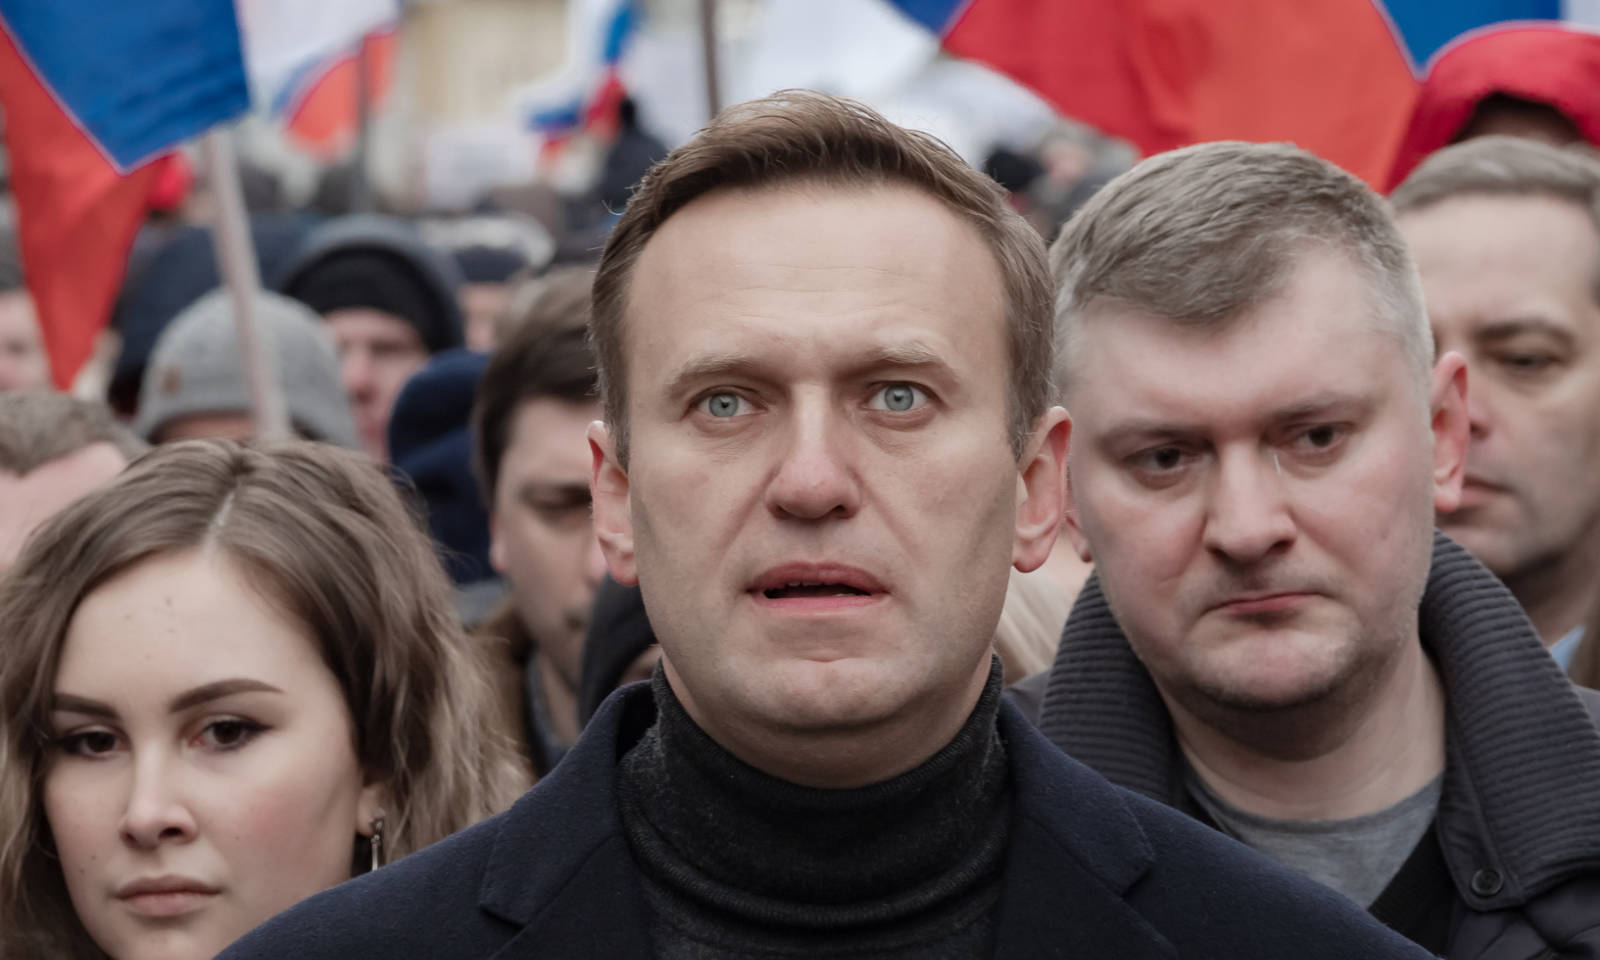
column 28, row 500
column 1486, row 258
column 548, row 431
column 800, row 232
column 883, row 269
column 1317, row 336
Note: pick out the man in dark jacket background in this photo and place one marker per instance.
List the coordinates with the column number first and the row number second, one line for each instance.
column 389, row 300
column 824, row 349
column 1260, row 441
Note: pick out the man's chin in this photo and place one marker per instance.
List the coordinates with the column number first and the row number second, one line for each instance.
column 1270, row 677
column 1269, row 695
column 847, row 693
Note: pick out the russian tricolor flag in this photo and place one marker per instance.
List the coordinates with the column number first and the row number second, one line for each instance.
column 586, row 93
column 93, row 92
column 1338, row 77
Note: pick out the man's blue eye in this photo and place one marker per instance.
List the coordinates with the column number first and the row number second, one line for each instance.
column 722, row 404
column 899, row 397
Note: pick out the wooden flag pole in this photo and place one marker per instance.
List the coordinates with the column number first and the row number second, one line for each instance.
column 236, row 256
column 708, row 53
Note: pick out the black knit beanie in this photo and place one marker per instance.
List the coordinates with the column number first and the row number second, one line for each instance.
column 381, row 281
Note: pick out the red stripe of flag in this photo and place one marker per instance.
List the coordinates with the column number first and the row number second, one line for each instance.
column 1329, row 76
column 76, row 216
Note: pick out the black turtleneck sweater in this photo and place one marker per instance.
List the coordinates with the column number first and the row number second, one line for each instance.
column 737, row 863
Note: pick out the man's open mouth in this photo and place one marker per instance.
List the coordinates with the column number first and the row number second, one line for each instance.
column 796, row 590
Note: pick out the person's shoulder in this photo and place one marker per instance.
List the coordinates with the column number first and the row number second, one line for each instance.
column 1591, row 700
column 1208, row 892
column 425, row 904
column 1028, row 695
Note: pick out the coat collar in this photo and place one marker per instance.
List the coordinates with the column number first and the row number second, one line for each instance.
column 1519, row 812
column 561, row 870
column 560, row 866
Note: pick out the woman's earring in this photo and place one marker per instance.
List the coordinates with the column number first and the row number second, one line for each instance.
column 376, row 840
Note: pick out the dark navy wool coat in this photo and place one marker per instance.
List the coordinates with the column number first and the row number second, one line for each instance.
column 1092, row 871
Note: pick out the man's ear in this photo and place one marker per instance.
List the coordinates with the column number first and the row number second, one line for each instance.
column 1041, row 483
column 613, row 517
column 1070, row 527
column 1452, row 430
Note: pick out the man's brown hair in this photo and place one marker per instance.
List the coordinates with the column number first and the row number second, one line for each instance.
column 39, row 426
column 800, row 137
column 540, row 360
column 557, row 297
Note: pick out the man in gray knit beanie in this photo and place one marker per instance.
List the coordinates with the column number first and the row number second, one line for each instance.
column 195, row 384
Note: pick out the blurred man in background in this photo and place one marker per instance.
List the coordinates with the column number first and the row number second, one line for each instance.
column 195, row 383
column 1506, row 233
column 23, row 362
column 430, row 441
column 535, row 402
column 487, row 273
column 54, row 448
column 389, row 300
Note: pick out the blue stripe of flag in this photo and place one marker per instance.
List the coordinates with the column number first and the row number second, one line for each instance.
column 1427, row 26
column 935, row 15
column 1424, row 26
column 137, row 77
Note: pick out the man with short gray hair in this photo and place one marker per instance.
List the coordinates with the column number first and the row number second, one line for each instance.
column 1275, row 640
column 1506, row 234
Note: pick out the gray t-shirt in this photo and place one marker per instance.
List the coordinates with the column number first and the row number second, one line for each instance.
column 1357, row 857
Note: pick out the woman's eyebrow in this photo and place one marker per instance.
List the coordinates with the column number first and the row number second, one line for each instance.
column 217, row 690
column 205, row 693
column 71, row 703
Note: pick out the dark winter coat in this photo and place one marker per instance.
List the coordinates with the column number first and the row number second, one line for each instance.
column 1091, row 871
column 1519, row 815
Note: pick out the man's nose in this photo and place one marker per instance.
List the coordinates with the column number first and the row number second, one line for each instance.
column 355, row 370
column 156, row 811
column 815, row 478
column 1248, row 510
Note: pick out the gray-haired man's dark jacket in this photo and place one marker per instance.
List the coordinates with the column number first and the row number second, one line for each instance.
column 1517, row 833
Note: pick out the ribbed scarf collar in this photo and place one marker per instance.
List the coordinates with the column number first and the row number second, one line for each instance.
column 758, row 850
column 1522, row 754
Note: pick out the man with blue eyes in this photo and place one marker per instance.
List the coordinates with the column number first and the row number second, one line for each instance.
column 1275, row 641
column 1506, row 234
column 824, row 351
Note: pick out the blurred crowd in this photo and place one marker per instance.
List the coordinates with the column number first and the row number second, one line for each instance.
column 469, row 545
